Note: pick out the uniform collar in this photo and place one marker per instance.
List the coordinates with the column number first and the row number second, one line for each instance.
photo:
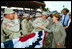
column 6, row 19
column 57, row 23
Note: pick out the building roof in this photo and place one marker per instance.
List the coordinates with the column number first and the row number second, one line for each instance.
column 23, row 4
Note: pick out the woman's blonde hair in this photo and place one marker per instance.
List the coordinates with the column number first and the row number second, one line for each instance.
column 56, row 15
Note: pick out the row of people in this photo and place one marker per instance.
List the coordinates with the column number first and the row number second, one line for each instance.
column 12, row 27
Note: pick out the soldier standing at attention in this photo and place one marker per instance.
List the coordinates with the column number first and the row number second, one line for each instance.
column 10, row 25
column 25, row 24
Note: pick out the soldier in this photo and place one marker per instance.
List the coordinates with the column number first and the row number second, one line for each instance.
column 39, row 22
column 50, row 20
column 50, row 35
column 26, row 26
column 34, row 16
column 10, row 25
column 58, row 31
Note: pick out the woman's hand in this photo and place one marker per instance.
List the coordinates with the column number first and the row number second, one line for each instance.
column 58, row 44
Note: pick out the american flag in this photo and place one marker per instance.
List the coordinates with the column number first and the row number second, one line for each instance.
column 33, row 40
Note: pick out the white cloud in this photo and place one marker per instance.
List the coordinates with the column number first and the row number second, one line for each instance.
column 58, row 5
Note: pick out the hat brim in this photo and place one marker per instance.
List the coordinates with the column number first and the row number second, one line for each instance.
column 8, row 13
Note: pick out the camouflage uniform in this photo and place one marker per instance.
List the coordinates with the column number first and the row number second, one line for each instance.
column 39, row 22
column 10, row 28
column 26, row 27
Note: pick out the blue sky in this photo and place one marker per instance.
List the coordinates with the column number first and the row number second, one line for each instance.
column 58, row 5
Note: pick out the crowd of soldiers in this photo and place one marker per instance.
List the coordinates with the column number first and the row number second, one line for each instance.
column 13, row 27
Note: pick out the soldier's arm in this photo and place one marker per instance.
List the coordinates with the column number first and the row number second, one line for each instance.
column 63, row 33
column 5, row 24
column 48, row 30
column 36, row 23
column 3, row 29
column 13, row 23
column 2, row 32
column 52, row 29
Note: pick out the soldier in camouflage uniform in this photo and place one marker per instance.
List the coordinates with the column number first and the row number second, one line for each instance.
column 26, row 25
column 50, row 35
column 10, row 25
column 40, row 22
